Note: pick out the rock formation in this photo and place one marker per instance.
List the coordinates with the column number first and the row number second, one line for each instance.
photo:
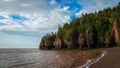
column 57, row 43
column 47, row 44
column 89, row 38
column 42, row 45
column 81, row 40
column 69, row 43
column 107, row 39
column 101, row 39
column 117, row 31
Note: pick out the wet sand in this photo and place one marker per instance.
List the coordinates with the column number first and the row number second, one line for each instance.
column 110, row 60
column 29, row 58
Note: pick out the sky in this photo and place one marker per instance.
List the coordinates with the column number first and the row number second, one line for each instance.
column 24, row 22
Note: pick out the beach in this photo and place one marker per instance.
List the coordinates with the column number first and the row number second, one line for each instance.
column 110, row 60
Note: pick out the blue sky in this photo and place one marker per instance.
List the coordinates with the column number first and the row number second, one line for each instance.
column 24, row 22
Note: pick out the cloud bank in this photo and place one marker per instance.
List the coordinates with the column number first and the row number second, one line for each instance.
column 25, row 19
column 37, row 17
column 89, row 6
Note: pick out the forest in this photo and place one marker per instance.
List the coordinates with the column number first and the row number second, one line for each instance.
column 93, row 30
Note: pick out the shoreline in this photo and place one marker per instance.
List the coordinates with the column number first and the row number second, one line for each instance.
column 111, row 60
column 93, row 61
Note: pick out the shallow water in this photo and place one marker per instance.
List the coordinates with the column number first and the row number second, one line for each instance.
column 34, row 58
column 20, row 58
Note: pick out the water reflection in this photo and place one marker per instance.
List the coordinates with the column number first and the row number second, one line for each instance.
column 34, row 58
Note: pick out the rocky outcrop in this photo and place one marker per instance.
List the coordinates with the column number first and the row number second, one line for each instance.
column 98, row 29
column 107, row 39
column 116, row 28
column 42, row 45
column 89, row 38
column 68, row 43
column 101, row 39
column 81, row 40
column 47, row 44
column 58, row 43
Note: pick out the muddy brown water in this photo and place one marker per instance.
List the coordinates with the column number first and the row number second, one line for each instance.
column 34, row 58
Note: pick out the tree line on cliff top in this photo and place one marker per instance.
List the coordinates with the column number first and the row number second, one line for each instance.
column 93, row 30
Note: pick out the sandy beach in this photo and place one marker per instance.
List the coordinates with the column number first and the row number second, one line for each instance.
column 110, row 60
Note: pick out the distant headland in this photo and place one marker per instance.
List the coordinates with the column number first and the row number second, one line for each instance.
column 93, row 30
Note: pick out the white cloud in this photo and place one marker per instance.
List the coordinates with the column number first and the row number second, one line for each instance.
column 11, row 27
column 25, row 4
column 52, row 2
column 95, row 5
column 8, row 0
column 65, row 8
column 18, row 41
column 41, row 17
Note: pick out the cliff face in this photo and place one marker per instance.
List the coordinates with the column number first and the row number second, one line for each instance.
column 89, row 38
column 93, row 30
column 42, row 45
column 107, row 39
column 47, row 44
column 84, row 39
column 81, row 40
column 68, row 43
column 101, row 39
column 117, row 31
column 58, row 43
